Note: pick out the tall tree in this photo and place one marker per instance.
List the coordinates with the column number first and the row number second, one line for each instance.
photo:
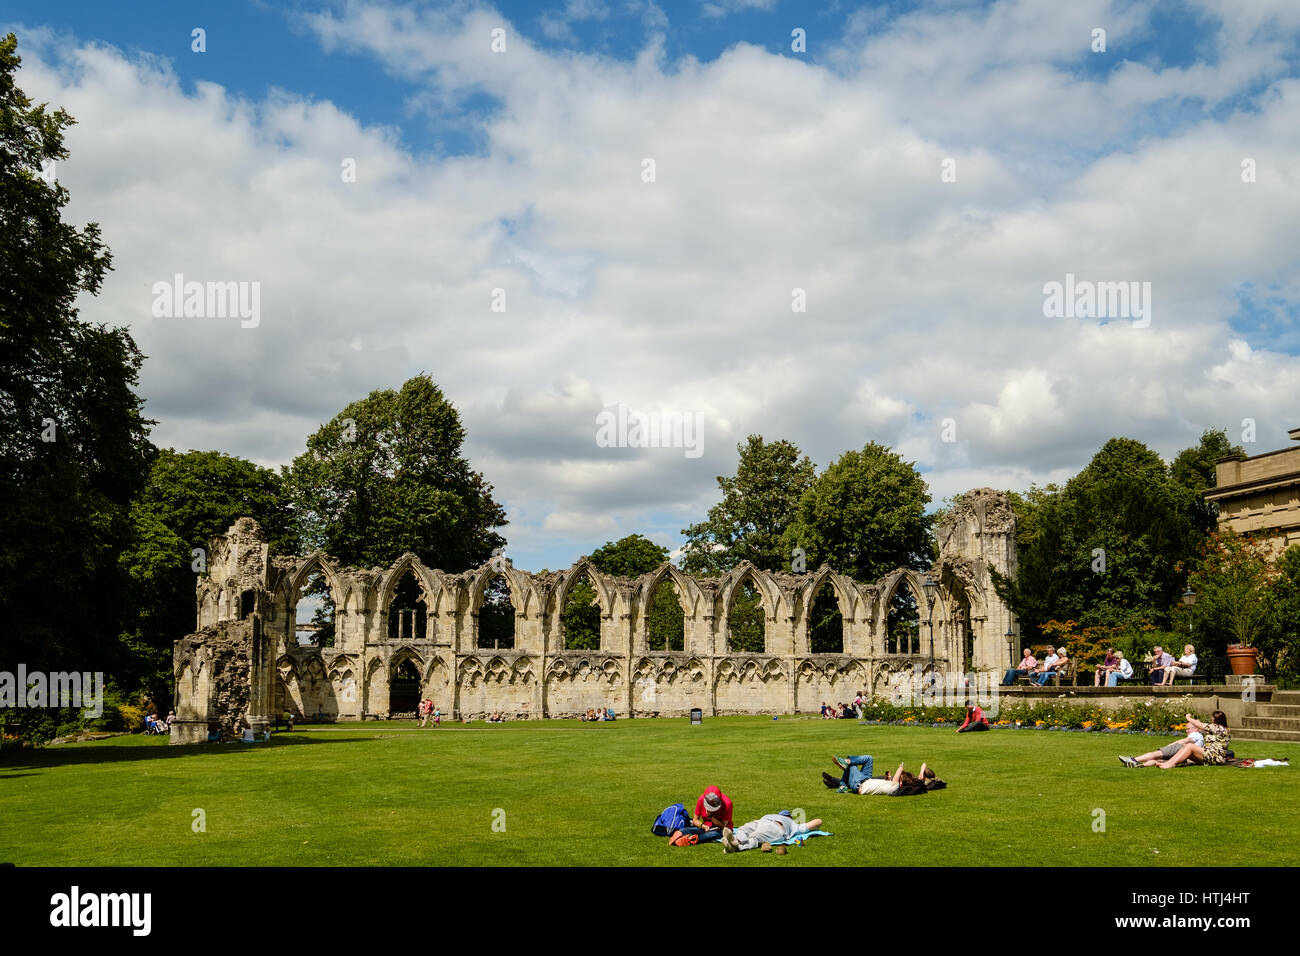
column 1110, row 548
column 73, row 442
column 189, row 497
column 386, row 476
column 1193, row 468
column 631, row 557
column 757, row 504
column 864, row 516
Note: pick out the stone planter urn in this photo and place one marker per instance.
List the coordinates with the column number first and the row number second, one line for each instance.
column 1242, row 657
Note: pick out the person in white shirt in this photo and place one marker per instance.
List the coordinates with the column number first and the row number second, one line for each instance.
column 771, row 828
column 1185, row 667
column 1123, row 671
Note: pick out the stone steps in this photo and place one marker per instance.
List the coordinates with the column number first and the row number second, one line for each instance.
column 1277, row 710
column 1286, row 698
column 1275, row 736
column 1271, row 723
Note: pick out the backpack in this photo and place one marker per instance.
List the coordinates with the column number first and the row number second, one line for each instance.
column 673, row 818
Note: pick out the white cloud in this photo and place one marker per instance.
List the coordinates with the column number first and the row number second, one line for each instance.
column 924, row 297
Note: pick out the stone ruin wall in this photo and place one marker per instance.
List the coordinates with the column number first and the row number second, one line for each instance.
column 243, row 664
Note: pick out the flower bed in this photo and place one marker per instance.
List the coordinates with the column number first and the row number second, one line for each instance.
column 1144, row 717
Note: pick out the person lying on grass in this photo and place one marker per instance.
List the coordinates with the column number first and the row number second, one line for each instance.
column 857, row 778
column 1212, row 748
column 764, row 831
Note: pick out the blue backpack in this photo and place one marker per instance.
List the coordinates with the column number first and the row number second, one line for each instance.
column 673, row 818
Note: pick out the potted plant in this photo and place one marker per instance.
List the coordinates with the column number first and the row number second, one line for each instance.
column 1232, row 588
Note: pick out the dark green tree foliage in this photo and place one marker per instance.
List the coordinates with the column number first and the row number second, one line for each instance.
column 1193, row 468
column 746, row 624
column 633, row 556
column 749, row 523
column 386, row 475
column 496, row 616
column 407, row 614
column 864, row 516
column 826, row 633
column 188, row 498
column 1280, row 646
column 73, row 443
column 581, row 617
column 1110, row 548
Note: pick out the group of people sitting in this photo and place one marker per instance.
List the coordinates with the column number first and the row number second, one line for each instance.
column 152, row 725
column 1163, row 671
column 1204, row 744
column 1038, row 673
column 598, row 713
column 712, row 822
column 843, row 711
column 496, row 717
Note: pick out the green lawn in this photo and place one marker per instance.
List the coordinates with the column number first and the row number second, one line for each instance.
column 383, row 794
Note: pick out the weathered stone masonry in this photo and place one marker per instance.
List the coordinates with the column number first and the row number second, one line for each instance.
column 244, row 663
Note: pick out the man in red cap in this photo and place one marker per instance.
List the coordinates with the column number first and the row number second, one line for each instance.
column 712, row 810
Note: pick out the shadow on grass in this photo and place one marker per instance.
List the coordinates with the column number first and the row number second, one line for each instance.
column 70, row 756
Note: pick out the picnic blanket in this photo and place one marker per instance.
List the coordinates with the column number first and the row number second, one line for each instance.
column 800, row 836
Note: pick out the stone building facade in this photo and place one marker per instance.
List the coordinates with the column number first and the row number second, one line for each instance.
column 244, row 662
column 1260, row 495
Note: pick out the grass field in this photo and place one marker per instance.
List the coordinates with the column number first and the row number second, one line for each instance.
column 570, row 793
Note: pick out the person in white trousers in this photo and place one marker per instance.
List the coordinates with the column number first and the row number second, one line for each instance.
column 768, row 829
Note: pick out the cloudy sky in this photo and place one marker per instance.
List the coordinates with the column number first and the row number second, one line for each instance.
column 921, row 171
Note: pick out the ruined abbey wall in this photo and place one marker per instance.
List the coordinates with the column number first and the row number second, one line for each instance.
column 247, row 617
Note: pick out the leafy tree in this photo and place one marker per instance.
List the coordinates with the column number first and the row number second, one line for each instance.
column 1194, row 469
column 745, row 622
column 496, row 615
column 581, row 617
column 631, row 557
column 386, row 476
column 1110, row 548
column 750, row 521
column 864, row 516
column 826, row 627
column 73, row 442
column 1280, row 644
column 188, row 498
column 1233, row 581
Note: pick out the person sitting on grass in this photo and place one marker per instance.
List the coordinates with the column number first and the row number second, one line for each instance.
column 1213, row 749
column 713, row 810
column 1055, row 663
column 1027, row 665
column 827, row 712
column 975, row 720
column 1185, row 666
column 763, row 832
column 1165, row 752
column 856, row 778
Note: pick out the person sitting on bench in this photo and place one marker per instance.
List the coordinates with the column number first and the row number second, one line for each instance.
column 1027, row 665
column 1185, row 667
column 1054, row 664
column 1123, row 671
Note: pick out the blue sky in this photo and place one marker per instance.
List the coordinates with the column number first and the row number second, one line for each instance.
column 776, row 170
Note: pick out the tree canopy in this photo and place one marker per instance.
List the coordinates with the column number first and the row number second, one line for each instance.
column 757, row 505
column 74, row 450
column 386, row 476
